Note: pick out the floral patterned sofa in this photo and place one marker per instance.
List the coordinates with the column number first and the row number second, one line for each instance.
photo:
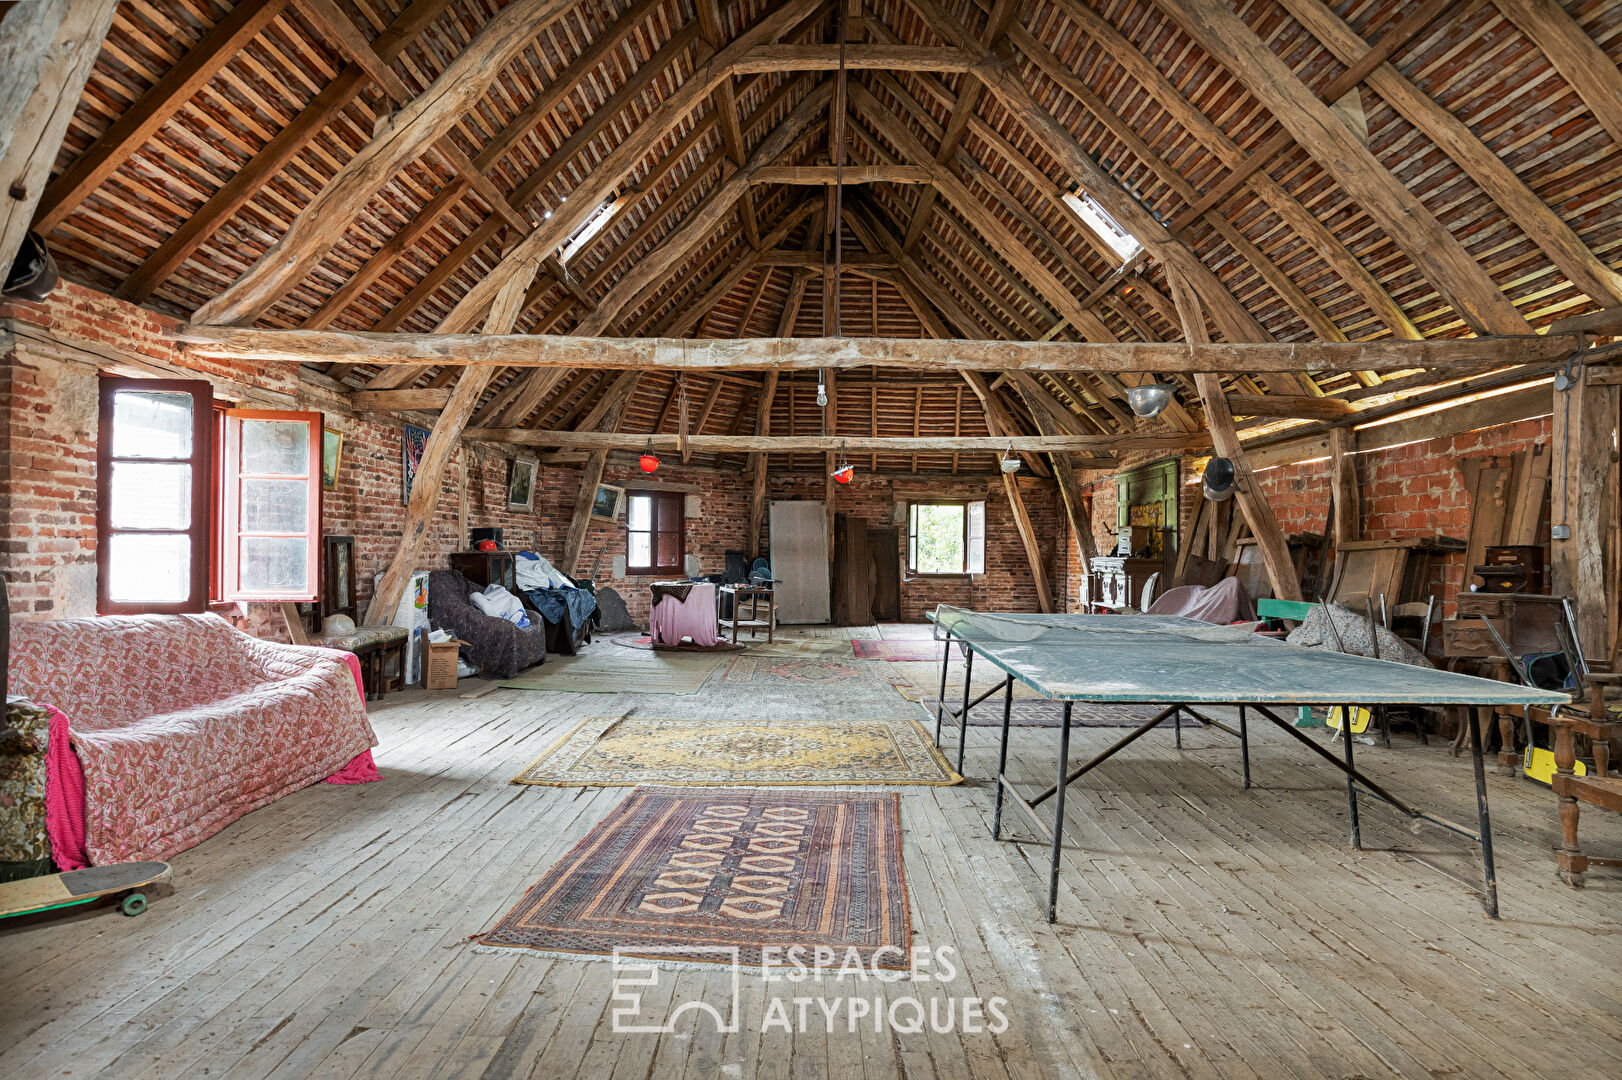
column 182, row 723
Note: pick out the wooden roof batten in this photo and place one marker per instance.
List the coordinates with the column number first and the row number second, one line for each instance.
column 984, row 243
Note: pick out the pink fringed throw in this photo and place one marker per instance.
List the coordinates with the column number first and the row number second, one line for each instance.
column 64, row 797
column 361, row 769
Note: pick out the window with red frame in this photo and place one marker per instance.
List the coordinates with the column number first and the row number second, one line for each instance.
column 654, row 532
column 270, row 505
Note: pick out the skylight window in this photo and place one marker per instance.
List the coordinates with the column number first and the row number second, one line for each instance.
column 588, row 231
column 1122, row 242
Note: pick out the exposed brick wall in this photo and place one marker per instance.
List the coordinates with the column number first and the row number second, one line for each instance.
column 1412, row 490
column 47, row 484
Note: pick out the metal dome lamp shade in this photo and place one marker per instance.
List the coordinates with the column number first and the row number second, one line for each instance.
column 649, row 461
column 1150, row 399
column 1220, row 479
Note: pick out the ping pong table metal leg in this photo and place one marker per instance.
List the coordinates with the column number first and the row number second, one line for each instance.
column 1058, row 816
column 940, row 699
column 963, row 717
column 1347, row 713
column 1002, row 756
column 1177, row 719
column 1489, row 899
column 1244, row 744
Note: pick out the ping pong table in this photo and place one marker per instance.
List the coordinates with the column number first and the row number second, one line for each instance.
column 1179, row 663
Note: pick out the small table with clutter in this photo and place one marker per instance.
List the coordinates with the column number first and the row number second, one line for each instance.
column 754, row 593
column 682, row 609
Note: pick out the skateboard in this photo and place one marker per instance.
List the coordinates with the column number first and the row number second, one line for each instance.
column 49, row 891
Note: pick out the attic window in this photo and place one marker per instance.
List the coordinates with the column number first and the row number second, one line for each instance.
column 1124, row 243
column 588, row 231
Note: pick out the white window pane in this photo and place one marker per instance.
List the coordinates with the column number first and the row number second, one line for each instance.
column 640, row 513
column 641, row 550
column 274, row 563
column 977, row 538
column 275, row 506
column 150, row 496
column 152, row 424
column 148, row 569
column 940, row 539
column 275, row 446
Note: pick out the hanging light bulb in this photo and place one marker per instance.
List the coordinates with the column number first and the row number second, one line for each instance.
column 1009, row 462
column 846, row 470
column 822, row 391
column 649, row 461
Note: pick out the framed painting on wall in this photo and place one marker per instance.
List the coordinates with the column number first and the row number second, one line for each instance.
column 609, row 503
column 412, row 443
column 520, row 484
column 332, row 453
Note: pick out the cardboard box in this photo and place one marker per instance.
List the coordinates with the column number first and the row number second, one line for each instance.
column 441, row 668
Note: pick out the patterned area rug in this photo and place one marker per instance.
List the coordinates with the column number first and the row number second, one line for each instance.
column 617, row 671
column 904, row 631
column 645, row 643
column 611, row 751
column 692, row 874
column 918, row 681
column 907, row 649
column 778, row 669
column 805, row 648
column 1042, row 713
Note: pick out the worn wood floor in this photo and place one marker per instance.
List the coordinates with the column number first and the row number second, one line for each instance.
column 1204, row 931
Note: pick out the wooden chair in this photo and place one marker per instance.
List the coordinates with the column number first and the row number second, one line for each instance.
column 1599, row 788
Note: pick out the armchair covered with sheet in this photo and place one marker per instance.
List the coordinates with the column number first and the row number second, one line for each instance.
column 182, row 723
column 499, row 647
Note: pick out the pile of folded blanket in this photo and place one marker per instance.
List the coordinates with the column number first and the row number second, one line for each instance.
column 497, row 601
column 551, row 592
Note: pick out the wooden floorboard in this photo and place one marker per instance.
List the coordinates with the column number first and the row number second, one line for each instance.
column 1204, row 931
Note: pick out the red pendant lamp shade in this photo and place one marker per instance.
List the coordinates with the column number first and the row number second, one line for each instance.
column 649, row 460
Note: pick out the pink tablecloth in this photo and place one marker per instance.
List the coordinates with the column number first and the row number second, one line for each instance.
column 672, row 619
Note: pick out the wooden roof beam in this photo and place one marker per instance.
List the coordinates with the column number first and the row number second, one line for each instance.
column 1541, row 224
column 854, row 174
column 1434, row 250
column 1591, row 73
column 415, row 127
column 534, row 350
column 137, row 124
column 772, row 58
column 625, row 158
column 46, row 53
column 726, row 105
column 274, row 155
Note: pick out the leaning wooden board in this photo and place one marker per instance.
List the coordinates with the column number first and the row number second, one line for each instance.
column 82, row 886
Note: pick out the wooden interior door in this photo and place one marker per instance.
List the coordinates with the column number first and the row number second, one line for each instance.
column 799, row 554
column 884, row 549
column 853, row 573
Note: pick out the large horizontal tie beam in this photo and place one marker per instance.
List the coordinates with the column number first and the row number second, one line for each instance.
column 767, row 58
column 537, row 350
column 851, row 174
column 777, row 444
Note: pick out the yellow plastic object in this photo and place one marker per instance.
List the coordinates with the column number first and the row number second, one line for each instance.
column 1360, row 719
column 1538, row 763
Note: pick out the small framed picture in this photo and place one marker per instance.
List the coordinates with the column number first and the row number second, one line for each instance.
column 609, row 503
column 332, row 453
column 412, row 443
column 520, row 484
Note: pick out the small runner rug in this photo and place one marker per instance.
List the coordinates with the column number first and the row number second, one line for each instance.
column 711, row 876
column 613, row 751
column 907, row 649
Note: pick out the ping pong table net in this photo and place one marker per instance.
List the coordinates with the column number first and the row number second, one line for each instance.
column 1031, row 628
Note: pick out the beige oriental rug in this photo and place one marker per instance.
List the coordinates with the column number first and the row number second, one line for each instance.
column 611, row 751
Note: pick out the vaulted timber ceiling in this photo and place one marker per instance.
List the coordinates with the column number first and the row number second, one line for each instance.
column 1352, row 171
